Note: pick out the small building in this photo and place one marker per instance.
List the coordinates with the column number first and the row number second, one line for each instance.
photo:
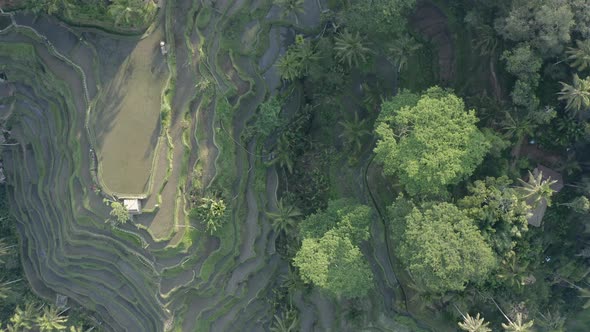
column 163, row 48
column 539, row 210
column 133, row 205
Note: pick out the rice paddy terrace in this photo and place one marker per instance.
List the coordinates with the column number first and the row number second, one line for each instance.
column 93, row 115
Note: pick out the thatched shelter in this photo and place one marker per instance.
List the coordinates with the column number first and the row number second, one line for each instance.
column 133, row 205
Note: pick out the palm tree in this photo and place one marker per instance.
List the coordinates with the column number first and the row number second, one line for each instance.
column 284, row 219
column 282, row 154
column 536, row 188
column 513, row 272
column 288, row 321
column 583, row 186
column 516, row 127
column 570, row 165
column 351, row 49
column 126, row 11
column 4, row 249
column 580, row 204
column 291, row 7
column 401, row 49
column 11, row 328
column 24, row 318
column 289, row 66
column 51, row 320
column 551, row 321
column 517, row 325
column 486, row 40
column 76, row 329
column 295, row 63
column 577, row 95
column 580, row 56
column 56, row 6
column 585, row 294
column 5, row 288
column 353, row 131
column 474, row 324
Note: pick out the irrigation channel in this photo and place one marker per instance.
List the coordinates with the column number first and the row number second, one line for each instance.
column 100, row 116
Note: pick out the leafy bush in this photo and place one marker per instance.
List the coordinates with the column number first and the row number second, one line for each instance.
column 211, row 212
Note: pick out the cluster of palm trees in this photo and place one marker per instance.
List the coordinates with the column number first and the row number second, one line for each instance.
column 577, row 94
column 31, row 317
column 478, row 324
column 43, row 319
column 5, row 250
column 351, row 49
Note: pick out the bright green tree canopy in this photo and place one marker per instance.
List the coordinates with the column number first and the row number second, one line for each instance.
column 329, row 256
column 499, row 212
column 351, row 218
column 547, row 24
column 431, row 144
column 334, row 264
column 443, row 249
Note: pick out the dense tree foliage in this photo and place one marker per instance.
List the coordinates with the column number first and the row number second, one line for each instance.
column 211, row 212
column 443, row 248
column 330, row 256
column 546, row 24
column 377, row 17
column 499, row 211
column 458, row 234
column 431, row 144
column 334, row 263
column 118, row 211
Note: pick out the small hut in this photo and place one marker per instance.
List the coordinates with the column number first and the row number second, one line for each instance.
column 539, row 210
column 133, row 205
column 163, row 48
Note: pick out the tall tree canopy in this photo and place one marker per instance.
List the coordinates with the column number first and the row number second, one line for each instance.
column 525, row 64
column 499, row 212
column 330, row 256
column 442, row 247
column 343, row 214
column 547, row 24
column 335, row 264
column 429, row 143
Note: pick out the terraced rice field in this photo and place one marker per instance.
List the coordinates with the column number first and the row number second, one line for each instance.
column 97, row 115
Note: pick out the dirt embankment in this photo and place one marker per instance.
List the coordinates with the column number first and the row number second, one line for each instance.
column 429, row 21
column 12, row 4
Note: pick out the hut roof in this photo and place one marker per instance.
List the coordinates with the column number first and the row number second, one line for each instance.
column 132, row 205
column 539, row 210
column 549, row 173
